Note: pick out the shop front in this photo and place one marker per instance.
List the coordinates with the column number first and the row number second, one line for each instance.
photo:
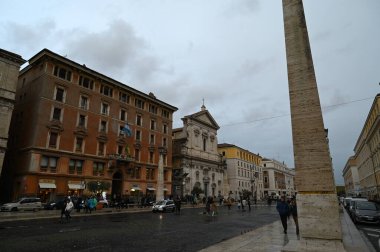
column 75, row 188
column 47, row 190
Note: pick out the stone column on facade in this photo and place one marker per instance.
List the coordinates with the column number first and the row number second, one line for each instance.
column 318, row 211
column 9, row 70
column 160, row 175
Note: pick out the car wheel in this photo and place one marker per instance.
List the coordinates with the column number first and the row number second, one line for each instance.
column 164, row 210
column 173, row 210
column 355, row 220
column 14, row 209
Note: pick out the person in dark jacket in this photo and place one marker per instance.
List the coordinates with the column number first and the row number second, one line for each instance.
column 293, row 212
column 283, row 209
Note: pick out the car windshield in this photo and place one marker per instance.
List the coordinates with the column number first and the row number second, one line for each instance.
column 366, row 206
column 161, row 202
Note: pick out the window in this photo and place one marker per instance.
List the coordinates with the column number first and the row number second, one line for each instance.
column 151, row 139
column 134, row 172
column 121, row 132
column 57, row 114
column 62, row 73
column 197, row 175
column 83, row 102
column 165, row 129
column 165, row 113
column 98, row 168
column 75, row 166
column 137, row 154
column 138, row 135
column 120, row 149
column 53, row 140
column 152, row 124
column 103, row 126
column 123, row 97
column 150, row 174
column 48, row 164
column 59, row 94
column 152, row 109
column 138, row 120
column 151, row 157
column 104, row 108
column 106, row 90
column 164, row 159
column 139, row 103
column 204, row 144
column 164, row 142
column 82, row 121
column 86, row 82
column 101, row 148
column 123, row 115
column 79, row 144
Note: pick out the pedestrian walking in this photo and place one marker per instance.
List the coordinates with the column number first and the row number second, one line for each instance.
column 69, row 207
column 293, row 212
column 229, row 203
column 283, row 209
column 249, row 204
column 177, row 203
column 214, row 208
column 63, row 210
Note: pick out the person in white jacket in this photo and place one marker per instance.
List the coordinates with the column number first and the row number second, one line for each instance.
column 69, row 207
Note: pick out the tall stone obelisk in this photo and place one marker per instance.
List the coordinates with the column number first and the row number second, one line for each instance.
column 160, row 175
column 318, row 209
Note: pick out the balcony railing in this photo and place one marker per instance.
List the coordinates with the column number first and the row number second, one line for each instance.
column 121, row 157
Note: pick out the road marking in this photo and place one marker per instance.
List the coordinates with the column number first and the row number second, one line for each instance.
column 69, row 230
column 373, row 235
column 372, row 229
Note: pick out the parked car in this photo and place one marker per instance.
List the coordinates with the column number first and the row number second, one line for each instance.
column 352, row 204
column 163, row 206
column 104, row 203
column 55, row 205
column 366, row 212
column 23, row 204
column 346, row 202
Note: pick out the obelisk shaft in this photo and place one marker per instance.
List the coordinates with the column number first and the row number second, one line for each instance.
column 316, row 198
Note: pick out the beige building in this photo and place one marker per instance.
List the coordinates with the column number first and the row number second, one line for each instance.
column 9, row 68
column 196, row 161
column 244, row 171
column 367, row 153
column 351, row 178
column 278, row 178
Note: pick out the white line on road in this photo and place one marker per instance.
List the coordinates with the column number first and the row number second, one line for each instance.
column 372, row 229
column 373, row 235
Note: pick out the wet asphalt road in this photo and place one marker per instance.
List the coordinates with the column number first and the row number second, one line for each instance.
column 144, row 231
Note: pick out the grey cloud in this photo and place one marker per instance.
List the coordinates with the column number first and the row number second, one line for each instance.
column 239, row 7
column 33, row 37
column 252, row 67
column 115, row 51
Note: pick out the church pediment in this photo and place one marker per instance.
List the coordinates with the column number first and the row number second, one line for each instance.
column 204, row 117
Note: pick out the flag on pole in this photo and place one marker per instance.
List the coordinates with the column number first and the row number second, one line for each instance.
column 127, row 130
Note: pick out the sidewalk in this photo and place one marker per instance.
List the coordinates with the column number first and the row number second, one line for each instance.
column 270, row 238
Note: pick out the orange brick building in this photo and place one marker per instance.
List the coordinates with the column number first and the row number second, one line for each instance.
column 68, row 131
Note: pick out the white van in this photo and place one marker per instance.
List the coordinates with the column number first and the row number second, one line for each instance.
column 23, row 204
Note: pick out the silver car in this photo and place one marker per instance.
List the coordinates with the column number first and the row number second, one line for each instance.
column 163, row 206
column 23, row 204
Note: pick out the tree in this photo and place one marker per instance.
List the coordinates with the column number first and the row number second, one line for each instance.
column 196, row 190
column 96, row 186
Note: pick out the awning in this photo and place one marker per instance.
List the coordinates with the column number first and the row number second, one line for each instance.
column 151, row 189
column 75, row 186
column 136, row 189
column 47, row 185
column 166, row 189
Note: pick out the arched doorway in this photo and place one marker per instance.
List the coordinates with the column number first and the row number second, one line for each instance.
column 117, row 185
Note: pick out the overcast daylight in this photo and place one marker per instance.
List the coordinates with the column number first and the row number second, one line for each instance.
column 229, row 54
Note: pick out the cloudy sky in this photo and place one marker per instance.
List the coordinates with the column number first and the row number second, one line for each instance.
column 231, row 53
